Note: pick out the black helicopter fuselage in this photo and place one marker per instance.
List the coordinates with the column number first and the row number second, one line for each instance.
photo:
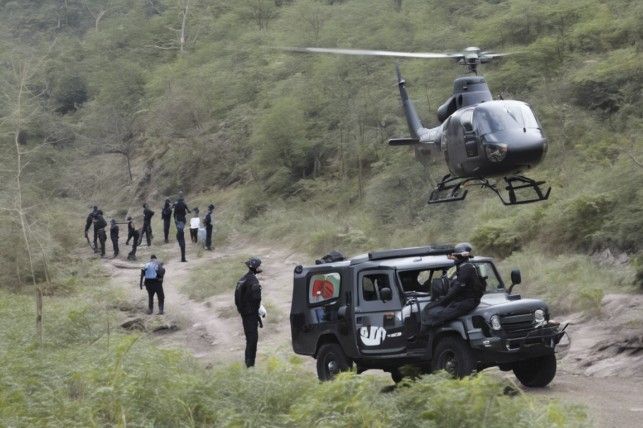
column 479, row 136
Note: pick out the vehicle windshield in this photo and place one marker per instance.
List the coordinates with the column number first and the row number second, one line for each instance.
column 487, row 270
column 503, row 115
column 420, row 280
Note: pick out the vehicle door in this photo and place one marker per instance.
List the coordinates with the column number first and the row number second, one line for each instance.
column 378, row 321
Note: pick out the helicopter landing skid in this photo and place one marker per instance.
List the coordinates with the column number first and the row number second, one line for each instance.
column 450, row 189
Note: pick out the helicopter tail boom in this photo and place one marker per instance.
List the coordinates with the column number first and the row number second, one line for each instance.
column 417, row 130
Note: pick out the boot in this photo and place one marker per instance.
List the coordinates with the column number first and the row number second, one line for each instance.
column 160, row 309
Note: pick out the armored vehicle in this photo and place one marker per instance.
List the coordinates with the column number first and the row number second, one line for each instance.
column 367, row 312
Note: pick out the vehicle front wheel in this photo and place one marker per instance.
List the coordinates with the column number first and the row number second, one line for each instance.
column 537, row 372
column 453, row 355
column 331, row 360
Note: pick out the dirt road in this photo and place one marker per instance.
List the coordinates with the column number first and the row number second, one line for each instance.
column 603, row 371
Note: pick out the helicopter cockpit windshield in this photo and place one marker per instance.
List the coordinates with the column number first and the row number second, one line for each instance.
column 498, row 116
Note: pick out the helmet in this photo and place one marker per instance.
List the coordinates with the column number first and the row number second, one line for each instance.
column 463, row 249
column 210, row 207
column 253, row 263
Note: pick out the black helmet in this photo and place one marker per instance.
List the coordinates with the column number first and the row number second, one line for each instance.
column 253, row 263
column 129, row 218
column 463, row 249
column 210, row 207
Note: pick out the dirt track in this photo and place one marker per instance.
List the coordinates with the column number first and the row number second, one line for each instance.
column 603, row 371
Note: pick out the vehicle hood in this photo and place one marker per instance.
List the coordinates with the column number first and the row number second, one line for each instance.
column 499, row 303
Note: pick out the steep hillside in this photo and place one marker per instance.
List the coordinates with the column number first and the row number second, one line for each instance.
column 120, row 102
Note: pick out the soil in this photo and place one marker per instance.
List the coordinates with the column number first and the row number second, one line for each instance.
column 603, row 369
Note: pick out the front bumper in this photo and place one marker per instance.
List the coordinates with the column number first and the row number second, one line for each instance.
column 548, row 339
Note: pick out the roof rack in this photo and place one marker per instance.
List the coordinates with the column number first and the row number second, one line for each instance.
column 428, row 250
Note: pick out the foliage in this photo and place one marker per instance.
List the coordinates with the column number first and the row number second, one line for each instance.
column 81, row 376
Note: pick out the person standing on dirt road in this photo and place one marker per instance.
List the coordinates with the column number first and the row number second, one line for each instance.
column 147, row 225
column 152, row 276
column 88, row 224
column 135, row 237
column 195, row 224
column 208, row 227
column 180, row 238
column 247, row 298
column 180, row 211
column 99, row 226
column 166, row 215
column 113, row 235
column 130, row 230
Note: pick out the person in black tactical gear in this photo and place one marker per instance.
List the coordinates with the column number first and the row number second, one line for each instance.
column 166, row 215
column 130, row 230
column 152, row 276
column 465, row 290
column 99, row 225
column 135, row 237
column 247, row 298
column 180, row 210
column 147, row 225
column 180, row 238
column 208, row 227
column 88, row 224
column 113, row 235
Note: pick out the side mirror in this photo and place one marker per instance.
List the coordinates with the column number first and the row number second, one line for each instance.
column 386, row 294
column 516, row 279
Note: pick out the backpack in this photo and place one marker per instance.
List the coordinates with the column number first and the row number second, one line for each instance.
column 160, row 273
column 151, row 270
column 333, row 256
column 101, row 223
column 238, row 293
column 482, row 281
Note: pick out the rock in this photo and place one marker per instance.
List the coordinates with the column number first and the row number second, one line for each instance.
column 165, row 327
column 134, row 324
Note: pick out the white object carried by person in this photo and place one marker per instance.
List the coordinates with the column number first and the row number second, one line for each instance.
column 262, row 311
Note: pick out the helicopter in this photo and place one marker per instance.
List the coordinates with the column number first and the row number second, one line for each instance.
column 482, row 139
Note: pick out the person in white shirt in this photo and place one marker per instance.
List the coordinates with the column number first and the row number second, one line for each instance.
column 195, row 223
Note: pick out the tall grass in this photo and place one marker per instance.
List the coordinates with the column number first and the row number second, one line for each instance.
column 124, row 380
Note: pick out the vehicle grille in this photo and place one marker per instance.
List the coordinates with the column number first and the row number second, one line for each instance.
column 517, row 325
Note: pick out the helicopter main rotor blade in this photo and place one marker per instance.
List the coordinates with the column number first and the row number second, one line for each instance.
column 366, row 52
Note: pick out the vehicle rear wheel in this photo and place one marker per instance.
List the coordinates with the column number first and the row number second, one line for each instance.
column 537, row 372
column 453, row 355
column 331, row 360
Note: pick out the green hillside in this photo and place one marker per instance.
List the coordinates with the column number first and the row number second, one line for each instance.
column 118, row 102
column 120, row 111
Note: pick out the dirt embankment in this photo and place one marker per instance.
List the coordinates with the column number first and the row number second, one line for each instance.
column 603, row 370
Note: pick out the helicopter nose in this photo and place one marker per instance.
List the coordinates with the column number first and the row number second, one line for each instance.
column 527, row 149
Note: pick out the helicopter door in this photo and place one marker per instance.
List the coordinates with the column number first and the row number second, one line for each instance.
column 455, row 151
column 470, row 138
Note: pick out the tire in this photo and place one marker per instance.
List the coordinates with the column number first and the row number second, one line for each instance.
column 453, row 355
column 537, row 372
column 331, row 360
column 396, row 375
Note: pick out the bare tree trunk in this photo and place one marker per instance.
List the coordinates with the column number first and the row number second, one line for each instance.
column 183, row 26
column 129, row 168
column 19, row 204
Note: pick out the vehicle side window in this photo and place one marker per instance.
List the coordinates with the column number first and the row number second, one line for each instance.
column 323, row 287
column 372, row 285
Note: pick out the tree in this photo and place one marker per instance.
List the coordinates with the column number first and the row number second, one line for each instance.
column 22, row 106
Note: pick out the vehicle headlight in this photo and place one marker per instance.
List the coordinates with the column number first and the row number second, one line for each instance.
column 496, row 152
column 495, row 322
column 539, row 316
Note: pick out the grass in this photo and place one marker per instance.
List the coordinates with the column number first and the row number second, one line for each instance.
column 217, row 277
column 567, row 283
column 81, row 376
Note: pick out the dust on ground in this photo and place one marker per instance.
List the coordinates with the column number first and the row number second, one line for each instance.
column 603, row 370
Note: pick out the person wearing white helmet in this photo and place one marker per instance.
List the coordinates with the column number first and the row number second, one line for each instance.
column 465, row 291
